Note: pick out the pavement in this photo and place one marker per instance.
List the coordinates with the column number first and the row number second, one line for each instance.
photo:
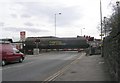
column 87, row 68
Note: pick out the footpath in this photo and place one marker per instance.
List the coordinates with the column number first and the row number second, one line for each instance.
column 88, row 68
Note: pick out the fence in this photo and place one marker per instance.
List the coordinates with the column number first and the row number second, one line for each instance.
column 111, row 53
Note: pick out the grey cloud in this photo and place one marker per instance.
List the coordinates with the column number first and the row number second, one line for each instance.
column 1, row 24
column 25, row 16
column 11, row 29
column 14, row 15
column 28, row 24
column 40, row 10
column 33, row 30
column 69, row 16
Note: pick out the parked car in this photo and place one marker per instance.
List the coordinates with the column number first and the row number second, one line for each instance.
column 8, row 53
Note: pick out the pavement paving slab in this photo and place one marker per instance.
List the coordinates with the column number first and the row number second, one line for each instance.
column 88, row 68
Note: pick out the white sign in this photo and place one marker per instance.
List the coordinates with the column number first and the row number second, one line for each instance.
column 22, row 35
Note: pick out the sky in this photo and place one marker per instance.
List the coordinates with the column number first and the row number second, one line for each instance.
column 37, row 17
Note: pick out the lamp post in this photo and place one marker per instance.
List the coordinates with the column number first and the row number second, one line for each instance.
column 118, row 5
column 81, row 31
column 118, row 31
column 55, row 21
column 105, row 25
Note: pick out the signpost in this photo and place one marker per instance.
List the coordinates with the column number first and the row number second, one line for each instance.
column 22, row 39
column 22, row 35
column 36, row 50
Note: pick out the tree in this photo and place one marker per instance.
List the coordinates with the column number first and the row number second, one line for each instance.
column 111, row 25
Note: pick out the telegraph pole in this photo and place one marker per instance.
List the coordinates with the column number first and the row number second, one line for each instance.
column 101, row 28
column 101, row 19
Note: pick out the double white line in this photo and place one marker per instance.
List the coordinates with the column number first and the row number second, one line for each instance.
column 60, row 72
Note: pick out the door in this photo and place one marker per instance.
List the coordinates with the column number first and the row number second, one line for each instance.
column 11, row 55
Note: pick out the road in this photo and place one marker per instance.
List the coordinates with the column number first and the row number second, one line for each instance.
column 38, row 67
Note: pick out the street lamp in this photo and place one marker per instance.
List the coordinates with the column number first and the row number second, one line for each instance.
column 55, row 22
column 81, row 31
column 118, row 5
column 105, row 25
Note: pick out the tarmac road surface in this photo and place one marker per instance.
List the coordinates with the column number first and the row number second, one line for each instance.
column 38, row 67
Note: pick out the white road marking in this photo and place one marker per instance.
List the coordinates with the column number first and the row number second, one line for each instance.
column 17, row 66
column 60, row 72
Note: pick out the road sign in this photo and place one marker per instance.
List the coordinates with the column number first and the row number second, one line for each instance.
column 101, row 34
column 22, row 35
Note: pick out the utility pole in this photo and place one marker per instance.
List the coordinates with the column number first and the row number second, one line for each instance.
column 101, row 18
column 101, row 28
